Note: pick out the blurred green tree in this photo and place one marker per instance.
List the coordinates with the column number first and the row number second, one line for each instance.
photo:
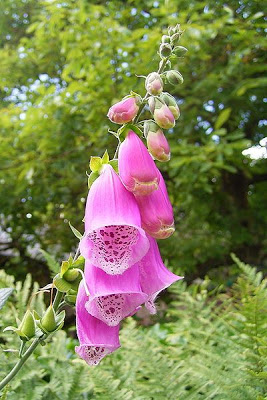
column 63, row 63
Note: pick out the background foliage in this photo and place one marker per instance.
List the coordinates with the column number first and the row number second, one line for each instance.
column 63, row 63
column 212, row 345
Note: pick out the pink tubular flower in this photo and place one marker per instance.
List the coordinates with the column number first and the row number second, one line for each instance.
column 137, row 170
column 96, row 338
column 156, row 212
column 113, row 298
column 114, row 239
column 157, row 143
column 154, row 276
column 124, row 111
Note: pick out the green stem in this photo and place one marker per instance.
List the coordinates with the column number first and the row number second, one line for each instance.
column 19, row 364
column 57, row 300
column 30, row 350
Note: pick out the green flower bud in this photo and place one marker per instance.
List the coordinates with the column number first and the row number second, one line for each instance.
column 166, row 39
column 174, row 77
column 27, row 326
column 71, row 274
column 180, row 51
column 175, row 39
column 165, row 50
column 48, row 322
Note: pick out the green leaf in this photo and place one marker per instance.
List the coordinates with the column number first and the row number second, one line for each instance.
column 75, row 231
column 4, row 295
column 223, row 117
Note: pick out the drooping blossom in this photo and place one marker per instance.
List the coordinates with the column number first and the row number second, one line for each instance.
column 113, row 239
column 137, row 170
column 157, row 213
column 161, row 112
column 154, row 276
column 113, row 297
column 124, row 111
column 96, row 338
column 154, row 84
column 157, row 143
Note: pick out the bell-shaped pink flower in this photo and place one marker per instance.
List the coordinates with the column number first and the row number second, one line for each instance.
column 157, row 213
column 96, row 338
column 154, row 276
column 124, row 111
column 113, row 297
column 157, row 143
column 113, row 239
column 137, row 170
column 162, row 114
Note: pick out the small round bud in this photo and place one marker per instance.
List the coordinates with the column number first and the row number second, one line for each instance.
column 180, row 51
column 166, row 39
column 174, row 77
column 175, row 39
column 71, row 274
column 165, row 50
column 27, row 326
column 154, row 84
column 48, row 322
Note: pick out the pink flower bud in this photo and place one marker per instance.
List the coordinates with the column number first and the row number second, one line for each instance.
column 124, row 111
column 156, row 212
column 162, row 114
column 154, row 84
column 157, row 143
column 170, row 101
column 137, row 170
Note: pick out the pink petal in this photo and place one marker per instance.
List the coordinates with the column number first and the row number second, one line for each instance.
column 113, row 298
column 96, row 338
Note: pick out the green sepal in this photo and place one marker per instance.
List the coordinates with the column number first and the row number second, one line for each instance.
column 79, row 263
column 92, row 177
column 27, row 326
column 70, row 299
column 115, row 165
column 61, row 284
column 64, row 268
column 95, row 164
column 105, row 158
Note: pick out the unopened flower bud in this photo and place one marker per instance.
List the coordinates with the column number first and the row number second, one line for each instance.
column 180, row 51
column 171, row 103
column 162, row 114
column 166, row 39
column 71, row 274
column 48, row 321
column 157, row 143
column 154, row 84
column 174, row 77
column 165, row 50
column 27, row 326
column 124, row 111
column 175, row 39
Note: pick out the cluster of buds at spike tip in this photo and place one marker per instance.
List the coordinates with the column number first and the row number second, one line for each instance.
column 169, row 43
column 124, row 111
column 157, row 143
